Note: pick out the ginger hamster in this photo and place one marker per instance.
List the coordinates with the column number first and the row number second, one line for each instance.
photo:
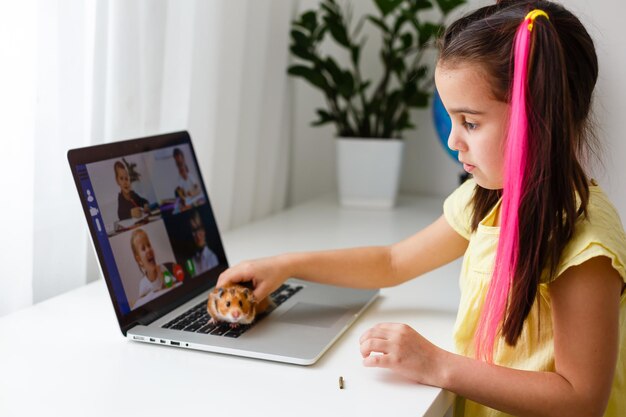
column 234, row 304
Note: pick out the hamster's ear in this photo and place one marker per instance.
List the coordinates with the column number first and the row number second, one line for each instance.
column 220, row 292
column 246, row 293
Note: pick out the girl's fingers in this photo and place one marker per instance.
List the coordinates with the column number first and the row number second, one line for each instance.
column 380, row 331
column 376, row 361
column 371, row 345
column 232, row 276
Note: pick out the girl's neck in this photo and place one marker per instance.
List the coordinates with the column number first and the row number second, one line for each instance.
column 153, row 274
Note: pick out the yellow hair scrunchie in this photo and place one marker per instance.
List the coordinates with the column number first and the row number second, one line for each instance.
column 532, row 15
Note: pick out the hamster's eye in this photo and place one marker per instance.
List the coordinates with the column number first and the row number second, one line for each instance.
column 240, row 303
column 227, row 303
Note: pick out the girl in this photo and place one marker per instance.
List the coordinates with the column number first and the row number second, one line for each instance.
column 129, row 203
column 156, row 278
column 540, row 328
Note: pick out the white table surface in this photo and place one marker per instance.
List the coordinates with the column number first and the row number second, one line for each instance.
column 66, row 356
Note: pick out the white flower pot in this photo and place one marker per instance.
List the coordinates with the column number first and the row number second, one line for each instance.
column 368, row 171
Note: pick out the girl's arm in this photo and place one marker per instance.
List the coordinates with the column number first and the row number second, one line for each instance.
column 585, row 314
column 365, row 267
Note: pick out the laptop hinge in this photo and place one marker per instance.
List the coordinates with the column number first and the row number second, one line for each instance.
column 149, row 318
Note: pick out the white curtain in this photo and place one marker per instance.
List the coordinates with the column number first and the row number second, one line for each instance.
column 84, row 72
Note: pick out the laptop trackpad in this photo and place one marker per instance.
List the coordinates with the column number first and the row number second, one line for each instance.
column 315, row 315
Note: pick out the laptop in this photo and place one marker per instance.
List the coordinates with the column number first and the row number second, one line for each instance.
column 160, row 253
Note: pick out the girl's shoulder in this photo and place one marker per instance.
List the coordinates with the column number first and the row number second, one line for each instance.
column 457, row 208
column 602, row 220
column 599, row 233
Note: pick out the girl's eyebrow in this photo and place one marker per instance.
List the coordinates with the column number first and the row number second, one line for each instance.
column 466, row 110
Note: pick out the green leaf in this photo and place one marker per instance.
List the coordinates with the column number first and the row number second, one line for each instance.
column 421, row 72
column 324, row 117
column 427, row 31
column 338, row 31
column 333, row 69
column 398, row 67
column 302, row 53
column 403, row 121
column 300, row 38
column 407, row 40
column 416, row 74
column 311, row 75
column 421, row 5
column 410, row 88
column 309, row 20
column 379, row 22
column 419, row 99
column 403, row 18
column 447, row 6
column 346, row 88
column 387, row 6
column 364, row 85
column 319, row 33
column 394, row 100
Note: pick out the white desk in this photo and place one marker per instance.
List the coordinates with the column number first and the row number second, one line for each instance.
column 66, row 356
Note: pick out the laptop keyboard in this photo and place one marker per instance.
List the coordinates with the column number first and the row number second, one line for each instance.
column 196, row 319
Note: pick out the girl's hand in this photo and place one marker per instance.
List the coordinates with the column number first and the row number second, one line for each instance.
column 266, row 275
column 403, row 350
column 136, row 212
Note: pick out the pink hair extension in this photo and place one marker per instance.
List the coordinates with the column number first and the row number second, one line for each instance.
column 515, row 167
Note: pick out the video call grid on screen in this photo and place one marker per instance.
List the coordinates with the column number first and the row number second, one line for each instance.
column 151, row 217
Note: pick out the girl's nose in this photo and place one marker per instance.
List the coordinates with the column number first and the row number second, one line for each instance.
column 455, row 142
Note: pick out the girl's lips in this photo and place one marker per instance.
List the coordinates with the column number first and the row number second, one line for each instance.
column 468, row 167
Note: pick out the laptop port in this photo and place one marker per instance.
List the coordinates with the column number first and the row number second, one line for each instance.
column 162, row 341
column 175, row 343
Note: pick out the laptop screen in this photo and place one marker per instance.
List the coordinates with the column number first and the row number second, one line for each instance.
column 150, row 218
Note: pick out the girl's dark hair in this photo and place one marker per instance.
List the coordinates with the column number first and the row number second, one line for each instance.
column 117, row 166
column 562, row 73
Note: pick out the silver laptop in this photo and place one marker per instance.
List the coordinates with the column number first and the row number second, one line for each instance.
column 160, row 253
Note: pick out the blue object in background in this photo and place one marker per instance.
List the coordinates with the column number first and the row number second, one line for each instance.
column 443, row 125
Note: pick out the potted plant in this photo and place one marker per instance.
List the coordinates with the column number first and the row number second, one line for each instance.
column 369, row 117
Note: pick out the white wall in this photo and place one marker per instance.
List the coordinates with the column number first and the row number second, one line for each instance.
column 604, row 21
column 427, row 168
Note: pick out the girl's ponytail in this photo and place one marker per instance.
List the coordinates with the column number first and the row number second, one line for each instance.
column 515, row 177
column 541, row 180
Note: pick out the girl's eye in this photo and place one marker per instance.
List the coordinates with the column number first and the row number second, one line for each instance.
column 470, row 126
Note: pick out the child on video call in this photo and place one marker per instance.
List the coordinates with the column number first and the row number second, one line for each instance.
column 204, row 258
column 129, row 203
column 188, row 185
column 155, row 277
column 540, row 327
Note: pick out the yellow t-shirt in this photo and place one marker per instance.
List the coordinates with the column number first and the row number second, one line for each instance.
column 601, row 234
